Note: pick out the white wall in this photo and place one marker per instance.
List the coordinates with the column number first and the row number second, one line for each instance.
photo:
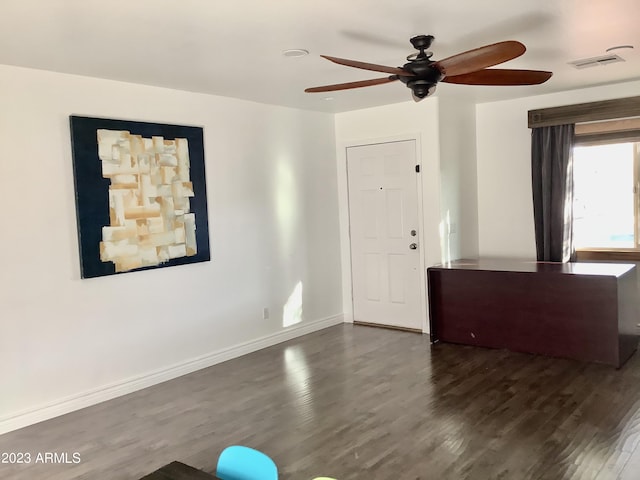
column 505, row 210
column 458, row 177
column 272, row 199
column 386, row 123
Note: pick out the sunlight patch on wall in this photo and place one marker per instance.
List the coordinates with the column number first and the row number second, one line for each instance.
column 445, row 239
column 286, row 203
column 292, row 310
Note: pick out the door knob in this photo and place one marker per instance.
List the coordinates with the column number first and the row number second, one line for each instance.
column 413, row 246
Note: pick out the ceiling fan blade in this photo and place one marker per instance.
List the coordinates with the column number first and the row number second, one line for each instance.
column 479, row 58
column 500, row 76
column 346, row 86
column 369, row 66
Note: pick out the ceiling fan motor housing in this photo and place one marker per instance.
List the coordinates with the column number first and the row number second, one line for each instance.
column 425, row 77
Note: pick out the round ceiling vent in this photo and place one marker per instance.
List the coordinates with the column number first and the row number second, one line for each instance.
column 295, row 52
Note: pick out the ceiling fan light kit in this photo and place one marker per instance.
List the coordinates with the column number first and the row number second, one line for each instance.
column 421, row 74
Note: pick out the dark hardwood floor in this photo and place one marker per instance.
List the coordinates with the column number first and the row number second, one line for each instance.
column 362, row 403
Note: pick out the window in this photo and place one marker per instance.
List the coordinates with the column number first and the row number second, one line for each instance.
column 606, row 216
column 606, row 175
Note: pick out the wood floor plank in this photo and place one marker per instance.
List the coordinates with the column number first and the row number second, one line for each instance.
column 354, row 402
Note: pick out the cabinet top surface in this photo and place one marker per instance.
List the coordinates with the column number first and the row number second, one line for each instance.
column 514, row 265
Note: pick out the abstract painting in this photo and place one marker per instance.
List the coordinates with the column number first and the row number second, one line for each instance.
column 141, row 198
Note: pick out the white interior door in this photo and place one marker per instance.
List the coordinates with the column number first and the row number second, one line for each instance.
column 383, row 217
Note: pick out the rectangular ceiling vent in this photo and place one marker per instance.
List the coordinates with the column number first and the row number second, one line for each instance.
column 595, row 61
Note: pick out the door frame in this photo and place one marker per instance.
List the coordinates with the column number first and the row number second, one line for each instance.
column 345, row 231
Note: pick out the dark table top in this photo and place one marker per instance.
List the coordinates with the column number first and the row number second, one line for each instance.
column 179, row 471
column 510, row 265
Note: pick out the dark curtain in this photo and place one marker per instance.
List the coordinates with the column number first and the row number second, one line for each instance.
column 552, row 182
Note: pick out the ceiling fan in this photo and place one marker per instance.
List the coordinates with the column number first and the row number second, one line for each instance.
column 421, row 74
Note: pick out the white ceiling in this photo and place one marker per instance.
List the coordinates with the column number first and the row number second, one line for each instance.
column 234, row 48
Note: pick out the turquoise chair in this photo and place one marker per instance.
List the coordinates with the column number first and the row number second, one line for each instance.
column 243, row 463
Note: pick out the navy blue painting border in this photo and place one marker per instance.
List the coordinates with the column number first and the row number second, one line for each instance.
column 92, row 197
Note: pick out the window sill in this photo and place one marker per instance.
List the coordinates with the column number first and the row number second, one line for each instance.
column 608, row 255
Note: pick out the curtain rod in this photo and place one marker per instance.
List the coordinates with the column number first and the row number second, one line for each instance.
column 585, row 112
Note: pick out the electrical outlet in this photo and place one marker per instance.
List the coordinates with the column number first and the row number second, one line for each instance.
column 265, row 313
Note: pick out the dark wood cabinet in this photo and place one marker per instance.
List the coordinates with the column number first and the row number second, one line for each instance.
column 583, row 311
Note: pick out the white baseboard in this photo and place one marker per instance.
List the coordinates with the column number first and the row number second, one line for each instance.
column 130, row 385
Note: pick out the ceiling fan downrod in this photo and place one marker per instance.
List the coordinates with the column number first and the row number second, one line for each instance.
column 421, row 43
